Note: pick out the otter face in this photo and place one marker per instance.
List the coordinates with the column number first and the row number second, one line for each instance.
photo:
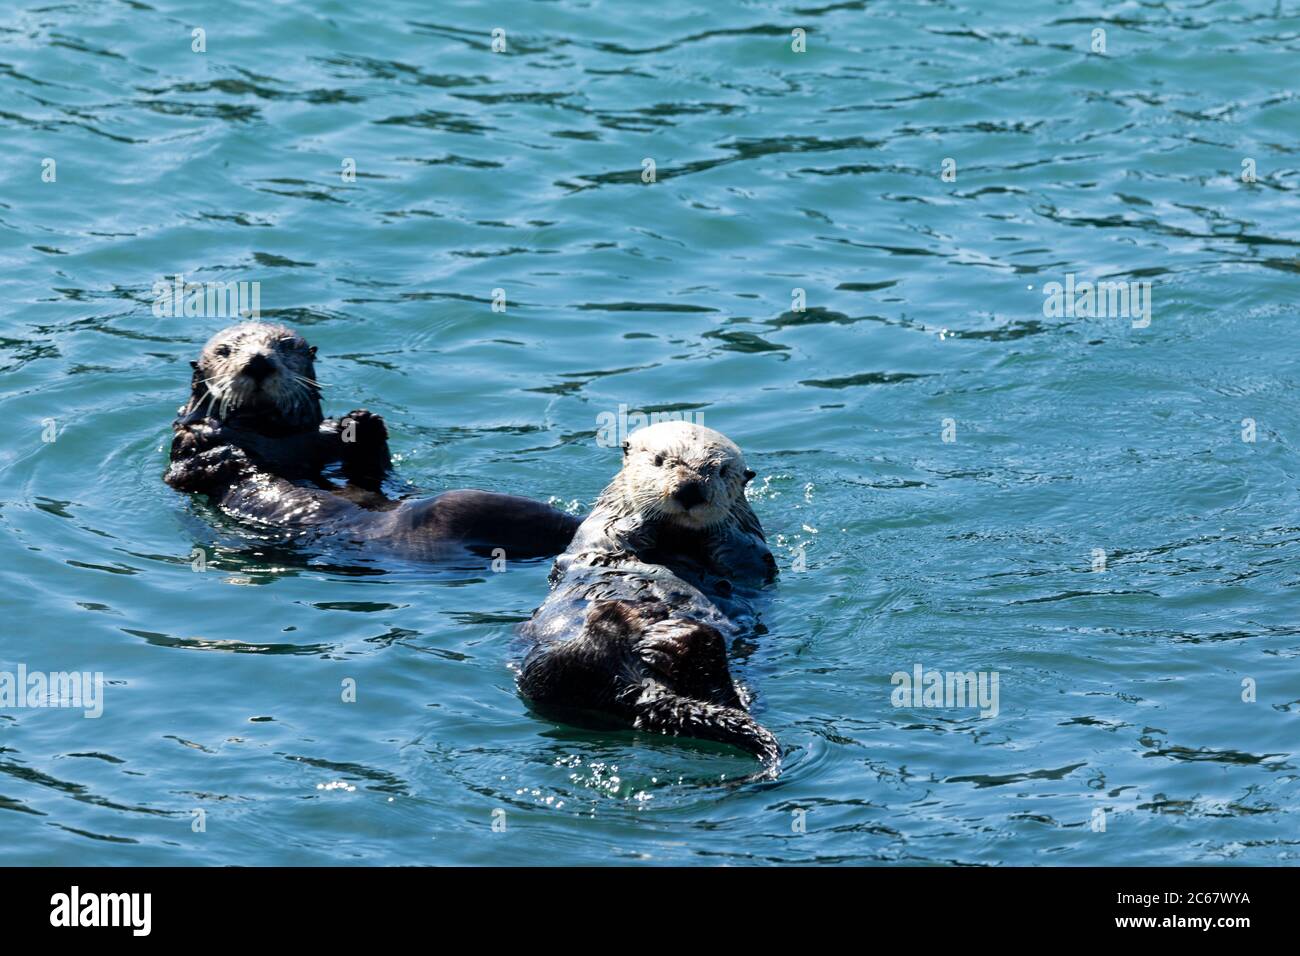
column 687, row 474
column 258, row 370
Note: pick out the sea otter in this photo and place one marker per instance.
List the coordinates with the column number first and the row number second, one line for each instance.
column 660, row 574
column 252, row 438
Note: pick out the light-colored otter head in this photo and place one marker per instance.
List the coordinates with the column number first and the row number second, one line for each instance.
column 682, row 473
column 257, row 371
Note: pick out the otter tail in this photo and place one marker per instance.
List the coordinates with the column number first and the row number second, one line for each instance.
column 659, row 710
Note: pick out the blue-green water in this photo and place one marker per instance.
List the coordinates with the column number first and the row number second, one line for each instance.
column 1098, row 530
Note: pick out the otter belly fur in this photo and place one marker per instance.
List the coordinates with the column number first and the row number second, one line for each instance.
column 660, row 576
column 252, row 438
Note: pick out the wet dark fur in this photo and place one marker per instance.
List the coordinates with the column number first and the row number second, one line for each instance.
column 635, row 630
column 264, row 461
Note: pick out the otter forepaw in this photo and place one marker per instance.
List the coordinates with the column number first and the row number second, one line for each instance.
column 194, row 439
column 661, row 655
column 672, row 646
column 210, row 470
column 366, row 422
column 364, row 442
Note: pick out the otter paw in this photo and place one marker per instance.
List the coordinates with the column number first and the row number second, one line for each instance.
column 668, row 647
column 185, row 444
column 209, row 470
column 225, row 463
column 363, row 448
column 194, row 439
column 362, row 426
column 364, row 437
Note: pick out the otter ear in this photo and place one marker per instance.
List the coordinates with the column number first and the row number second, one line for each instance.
column 749, row 475
column 627, row 446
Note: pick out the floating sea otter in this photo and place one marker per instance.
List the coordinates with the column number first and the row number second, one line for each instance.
column 252, row 437
column 658, row 577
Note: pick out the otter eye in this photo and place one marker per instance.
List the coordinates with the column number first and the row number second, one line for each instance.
column 659, row 461
column 722, row 472
column 223, row 350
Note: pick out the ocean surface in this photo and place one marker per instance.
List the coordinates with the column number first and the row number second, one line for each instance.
column 958, row 470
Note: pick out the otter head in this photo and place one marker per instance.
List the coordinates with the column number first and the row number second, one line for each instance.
column 684, row 474
column 258, row 372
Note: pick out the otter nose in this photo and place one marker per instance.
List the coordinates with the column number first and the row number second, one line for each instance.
column 258, row 367
column 690, row 494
